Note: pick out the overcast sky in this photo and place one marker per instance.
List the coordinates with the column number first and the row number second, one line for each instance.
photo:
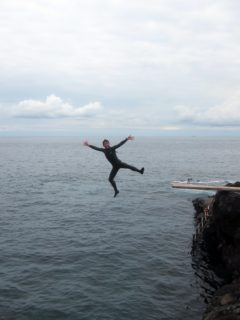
column 155, row 67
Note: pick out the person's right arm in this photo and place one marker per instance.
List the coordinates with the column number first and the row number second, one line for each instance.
column 95, row 148
column 92, row 147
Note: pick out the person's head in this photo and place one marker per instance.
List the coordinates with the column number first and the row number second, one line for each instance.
column 106, row 143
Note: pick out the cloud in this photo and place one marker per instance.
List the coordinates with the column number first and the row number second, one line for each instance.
column 52, row 107
column 139, row 58
column 91, row 115
column 170, row 128
column 225, row 114
column 77, row 38
column 135, row 55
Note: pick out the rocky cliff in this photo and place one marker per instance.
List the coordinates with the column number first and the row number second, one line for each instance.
column 221, row 240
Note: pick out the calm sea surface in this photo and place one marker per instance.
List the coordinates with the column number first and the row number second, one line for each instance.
column 69, row 250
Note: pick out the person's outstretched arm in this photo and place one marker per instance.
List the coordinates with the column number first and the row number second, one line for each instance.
column 85, row 143
column 122, row 142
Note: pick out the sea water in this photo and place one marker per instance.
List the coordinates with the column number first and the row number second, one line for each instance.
column 69, row 250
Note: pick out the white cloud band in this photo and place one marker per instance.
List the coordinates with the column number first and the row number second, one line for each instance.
column 52, row 107
column 226, row 114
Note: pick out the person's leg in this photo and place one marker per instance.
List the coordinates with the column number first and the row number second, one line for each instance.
column 111, row 179
column 127, row 166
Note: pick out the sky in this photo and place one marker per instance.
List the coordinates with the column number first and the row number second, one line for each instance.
column 119, row 67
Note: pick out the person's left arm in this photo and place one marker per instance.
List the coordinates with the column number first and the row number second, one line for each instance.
column 122, row 142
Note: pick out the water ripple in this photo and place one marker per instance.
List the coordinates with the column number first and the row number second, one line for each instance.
column 69, row 250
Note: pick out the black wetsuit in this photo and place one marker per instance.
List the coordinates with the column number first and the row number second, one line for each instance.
column 110, row 154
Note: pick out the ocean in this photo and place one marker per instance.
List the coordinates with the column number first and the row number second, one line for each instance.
column 69, row 250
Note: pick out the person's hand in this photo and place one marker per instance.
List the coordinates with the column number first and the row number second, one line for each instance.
column 85, row 143
column 131, row 137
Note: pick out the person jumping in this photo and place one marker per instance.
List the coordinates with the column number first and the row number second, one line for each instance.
column 110, row 154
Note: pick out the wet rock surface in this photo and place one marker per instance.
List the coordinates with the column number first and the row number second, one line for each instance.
column 220, row 239
column 225, row 304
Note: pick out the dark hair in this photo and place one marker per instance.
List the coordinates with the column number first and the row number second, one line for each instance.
column 105, row 140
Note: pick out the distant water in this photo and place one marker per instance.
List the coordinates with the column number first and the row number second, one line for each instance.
column 69, row 250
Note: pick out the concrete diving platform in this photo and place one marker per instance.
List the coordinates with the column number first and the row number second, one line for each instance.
column 202, row 186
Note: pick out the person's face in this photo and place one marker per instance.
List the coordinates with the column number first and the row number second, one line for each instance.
column 106, row 144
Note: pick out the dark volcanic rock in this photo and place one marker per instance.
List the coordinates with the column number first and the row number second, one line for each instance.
column 201, row 203
column 226, row 222
column 226, row 210
column 225, row 304
column 221, row 240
